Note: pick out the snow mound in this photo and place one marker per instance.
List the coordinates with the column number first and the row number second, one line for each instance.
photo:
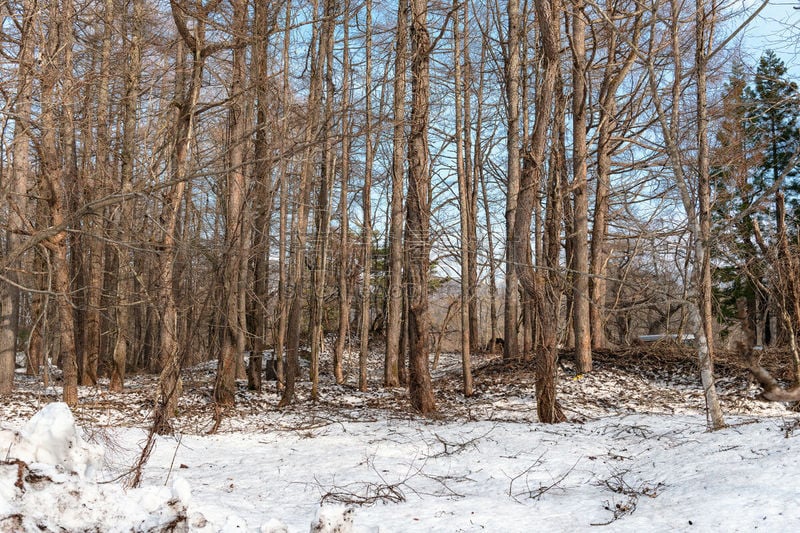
column 47, row 483
column 51, row 437
column 333, row 519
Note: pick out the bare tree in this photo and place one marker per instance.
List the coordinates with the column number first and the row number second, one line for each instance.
column 264, row 21
column 417, row 235
column 344, row 218
column 234, row 271
column 57, row 174
column 542, row 286
column 187, row 91
column 395, row 290
column 700, row 223
column 283, row 282
column 464, row 204
column 124, row 212
column 580, row 194
column 512, row 82
column 614, row 73
column 15, row 198
column 366, row 286
column 322, row 212
column 299, row 229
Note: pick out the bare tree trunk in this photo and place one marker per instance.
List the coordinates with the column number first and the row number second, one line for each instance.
column 395, row 296
column 263, row 25
column 787, row 271
column 702, row 237
column 512, row 74
column 170, row 384
column 480, row 180
column 283, row 285
column 56, row 109
column 580, row 196
column 322, row 213
column 417, row 238
column 543, row 287
column 300, row 220
column 613, row 75
column 344, row 218
column 465, row 206
column 471, row 184
column 366, row 202
column 698, row 223
column 234, row 260
column 16, row 200
column 22, row 175
column 96, row 186
column 124, row 224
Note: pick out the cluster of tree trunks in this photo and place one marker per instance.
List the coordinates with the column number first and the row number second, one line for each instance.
column 196, row 191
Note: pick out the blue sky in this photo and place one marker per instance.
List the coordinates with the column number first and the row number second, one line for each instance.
column 776, row 28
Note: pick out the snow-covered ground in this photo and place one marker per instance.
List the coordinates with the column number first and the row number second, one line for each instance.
column 636, row 457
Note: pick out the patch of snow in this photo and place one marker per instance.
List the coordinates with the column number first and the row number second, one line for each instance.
column 333, row 519
column 637, row 456
column 52, row 438
column 47, row 483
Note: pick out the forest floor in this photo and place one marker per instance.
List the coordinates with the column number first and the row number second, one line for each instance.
column 635, row 455
column 653, row 379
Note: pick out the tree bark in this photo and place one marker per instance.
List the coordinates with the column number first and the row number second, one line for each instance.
column 512, row 74
column 480, row 180
column 263, row 25
column 283, row 281
column 57, row 178
column 16, row 198
column 417, row 237
column 344, row 213
column 322, row 213
column 465, row 208
column 543, row 286
column 187, row 93
column 124, row 222
column 395, row 291
column 580, row 196
column 366, row 287
column 234, row 260
column 613, row 75
column 300, row 220
column 702, row 237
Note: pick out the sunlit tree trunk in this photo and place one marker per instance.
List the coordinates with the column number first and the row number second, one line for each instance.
column 580, row 194
column 232, row 342
column 297, row 251
column 480, row 181
column 15, row 198
column 471, row 182
column 187, row 93
column 417, row 237
column 55, row 178
column 702, row 236
column 322, row 213
column 614, row 73
column 283, row 233
column 464, row 204
column 512, row 74
column 366, row 287
column 124, row 276
column 542, row 286
column 344, row 222
column 263, row 25
column 395, row 291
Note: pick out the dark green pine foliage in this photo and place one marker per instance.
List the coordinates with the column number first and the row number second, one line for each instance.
column 757, row 140
column 772, row 111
